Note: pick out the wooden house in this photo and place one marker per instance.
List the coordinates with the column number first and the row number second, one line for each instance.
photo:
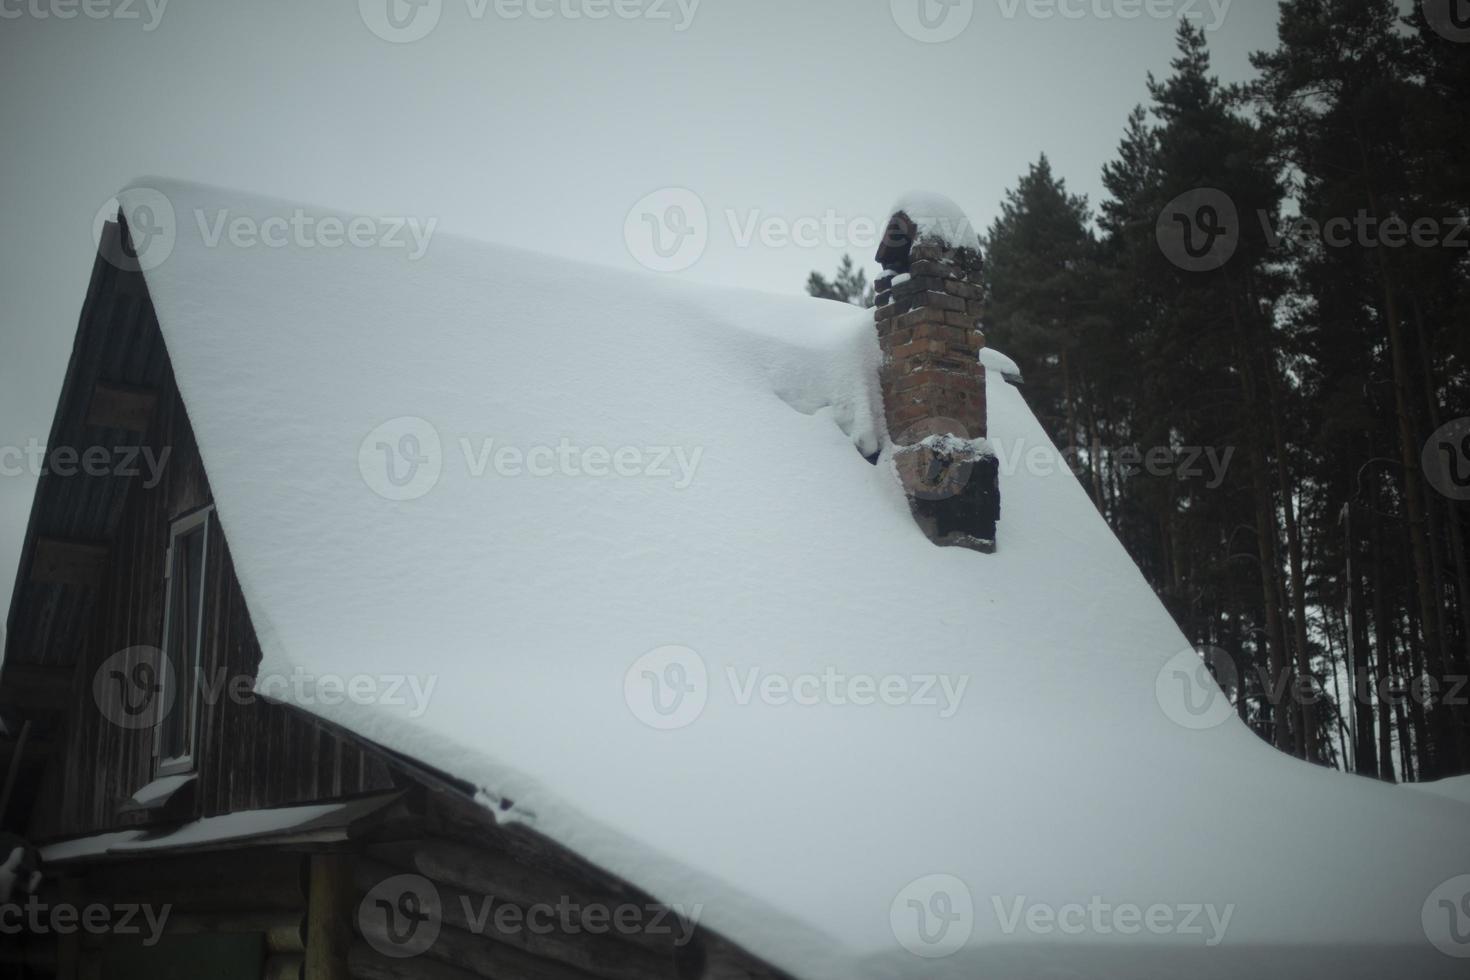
column 261, row 829
column 693, row 693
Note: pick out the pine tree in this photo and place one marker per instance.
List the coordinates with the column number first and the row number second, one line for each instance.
column 849, row 285
column 1209, row 341
column 1042, row 308
column 1324, row 558
column 1342, row 92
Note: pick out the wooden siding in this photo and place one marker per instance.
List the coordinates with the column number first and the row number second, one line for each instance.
column 117, row 342
column 466, row 860
column 249, row 755
column 315, row 910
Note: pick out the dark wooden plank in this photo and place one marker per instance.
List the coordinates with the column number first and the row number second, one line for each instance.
column 366, row 963
column 284, row 932
column 37, row 751
column 284, row 966
column 118, row 406
column 58, row 562
column 230, row 881
column 37, row 688
column 456, row 944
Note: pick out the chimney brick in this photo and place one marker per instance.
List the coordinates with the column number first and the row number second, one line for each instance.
column 928, row 318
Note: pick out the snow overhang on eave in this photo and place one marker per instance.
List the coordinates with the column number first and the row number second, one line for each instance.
column 293, row 826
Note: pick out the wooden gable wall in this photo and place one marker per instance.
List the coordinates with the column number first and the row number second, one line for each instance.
column 250, row 755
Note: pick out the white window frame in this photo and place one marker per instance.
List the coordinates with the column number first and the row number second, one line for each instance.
column 180, row 527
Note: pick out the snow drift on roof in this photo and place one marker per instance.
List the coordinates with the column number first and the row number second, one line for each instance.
column 540, row 490
column 996, row 361
column 1457, row 788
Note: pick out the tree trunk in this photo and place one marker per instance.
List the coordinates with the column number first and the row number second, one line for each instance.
column 1408, row 743
column 1344, row 753
column 1442, row 756
column 1411, row 669
column 1362, row 677
column 1383, row 633
column 1094, row 456
column 1455, row 659
column 1305, row 734
column 1071, row 407
column 1278, row 683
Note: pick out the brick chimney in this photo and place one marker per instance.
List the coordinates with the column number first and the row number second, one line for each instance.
column 929, row 307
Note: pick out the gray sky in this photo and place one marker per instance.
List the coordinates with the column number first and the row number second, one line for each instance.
column 517, row 122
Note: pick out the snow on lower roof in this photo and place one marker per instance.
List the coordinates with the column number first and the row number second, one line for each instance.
column 160, row 789
column 226, row 827
column 274, row 825
column 86, row 847
column 710, row 500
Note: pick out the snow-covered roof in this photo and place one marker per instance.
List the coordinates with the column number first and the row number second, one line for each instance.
column 1457, row 788
column 1024, row 744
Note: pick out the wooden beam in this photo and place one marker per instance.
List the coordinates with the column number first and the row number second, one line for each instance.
column 285, row 966
column 368, row 964
column 59, row 562
column 35, row 687
column 36, row 752
column 285, row 932
column 69, row 944
column 216, row 883
column 117, row 406
column 329, row 914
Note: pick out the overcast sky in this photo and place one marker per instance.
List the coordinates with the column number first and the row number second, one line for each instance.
column 539, row 123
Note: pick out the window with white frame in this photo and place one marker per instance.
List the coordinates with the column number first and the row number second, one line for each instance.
column 183, row 643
